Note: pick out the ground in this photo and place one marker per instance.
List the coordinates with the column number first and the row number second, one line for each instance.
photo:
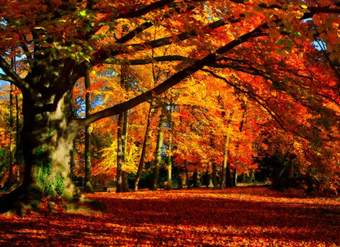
column 252, row 216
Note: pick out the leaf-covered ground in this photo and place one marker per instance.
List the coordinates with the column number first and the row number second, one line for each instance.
column 253, row 216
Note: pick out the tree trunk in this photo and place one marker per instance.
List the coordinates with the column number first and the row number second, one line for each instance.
column 169, row 166
column 47, row 137
column 196, row 179
column 125, row 184
column 170, row 148
column 18, row 143
column 121, row 176
column 147, row 136
column 226, row 167
column 214, row 176
column 210, row 176
column 158, row 153
column 235, row 177
column 87, row 156
column 10, row 127
column 121, row 151
column 13, row 176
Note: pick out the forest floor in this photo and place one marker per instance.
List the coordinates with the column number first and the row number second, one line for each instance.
column 244, row 216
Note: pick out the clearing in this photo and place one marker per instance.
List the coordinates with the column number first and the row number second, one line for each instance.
column 245, row 216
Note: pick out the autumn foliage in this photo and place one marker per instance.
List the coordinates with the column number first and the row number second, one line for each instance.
column 233, row 217
column 187, row 98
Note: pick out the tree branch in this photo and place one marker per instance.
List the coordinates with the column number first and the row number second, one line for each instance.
column 167, row 58
column 311, row 11
column 258, row 99
column 145, row 9
column 17, row 81
column 5, row 78
column 105, row 53
column 117, row 49
column 174, row 79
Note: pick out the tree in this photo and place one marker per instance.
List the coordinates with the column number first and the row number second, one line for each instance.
column 87, row 180
column 60, row 40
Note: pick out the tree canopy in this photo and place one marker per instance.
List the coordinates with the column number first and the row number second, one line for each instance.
column 280, row 55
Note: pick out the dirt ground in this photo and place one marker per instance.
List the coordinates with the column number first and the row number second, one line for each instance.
column 245, row 216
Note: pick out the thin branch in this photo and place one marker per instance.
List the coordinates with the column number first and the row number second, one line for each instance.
column 167, row 58
column 105, row 53
column 173, row 39
column 258, row 99
column 17, row 81
column 134, row 32
column 117, row 49
column 311, row 11
column 5, row 78
column 145, row 9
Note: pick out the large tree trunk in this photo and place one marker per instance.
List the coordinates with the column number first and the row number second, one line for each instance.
column 47, row 140
column 47, row 137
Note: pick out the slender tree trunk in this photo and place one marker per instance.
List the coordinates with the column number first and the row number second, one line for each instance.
column 87, row 156
column 73, row 150
column 169, row 166
column 11, row 161
column 210, row 176
column 18, row 143
column 147, row 136
column 170, row 146
column 121, row 151
column 158, row 153
column 72, row 160
column 186, row 184
column 226, row 167
column 124, row 184
column 10, row 129
column 121, row 176
column 235, row 176
column 18, row 146
column 242, row 122
column 196, row 178
column 214, row 176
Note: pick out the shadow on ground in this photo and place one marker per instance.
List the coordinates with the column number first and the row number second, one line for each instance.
column 189, row 217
